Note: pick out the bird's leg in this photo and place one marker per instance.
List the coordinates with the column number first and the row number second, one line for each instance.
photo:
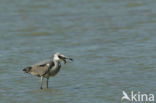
column 41, row 82
column 47, row 82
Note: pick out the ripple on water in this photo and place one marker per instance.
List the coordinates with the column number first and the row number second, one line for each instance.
column 112, row 44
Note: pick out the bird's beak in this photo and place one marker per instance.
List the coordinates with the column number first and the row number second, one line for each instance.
column 64, row 58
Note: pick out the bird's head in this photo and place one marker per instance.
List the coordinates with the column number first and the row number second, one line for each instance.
column 60, row 57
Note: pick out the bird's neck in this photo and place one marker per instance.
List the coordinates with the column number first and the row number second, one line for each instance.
column 56, row 63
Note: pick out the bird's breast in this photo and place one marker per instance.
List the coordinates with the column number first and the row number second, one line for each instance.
column 54, row 70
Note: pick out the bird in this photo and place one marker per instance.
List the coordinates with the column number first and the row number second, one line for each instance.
column 47, row 68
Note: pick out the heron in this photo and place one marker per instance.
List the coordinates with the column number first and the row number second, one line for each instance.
column 48, row 68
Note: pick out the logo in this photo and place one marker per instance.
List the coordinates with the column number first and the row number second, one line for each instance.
column 137, row 97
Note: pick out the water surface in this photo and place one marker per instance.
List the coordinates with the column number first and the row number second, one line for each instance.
column 111, row 41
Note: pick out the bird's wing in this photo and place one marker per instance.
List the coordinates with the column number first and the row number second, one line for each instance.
column 49, row 68
column 43, row 63
column 42, row 68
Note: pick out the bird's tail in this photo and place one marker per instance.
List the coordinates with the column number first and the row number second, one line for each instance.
column 27, row 69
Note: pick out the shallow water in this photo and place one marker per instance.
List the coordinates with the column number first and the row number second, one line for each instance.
column 112, row 43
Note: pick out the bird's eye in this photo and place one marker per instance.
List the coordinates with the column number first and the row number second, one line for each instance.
column 59, row 56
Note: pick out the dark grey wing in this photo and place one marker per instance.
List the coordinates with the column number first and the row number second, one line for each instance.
column 41, row 68
column 49, row 68
column 43, row 63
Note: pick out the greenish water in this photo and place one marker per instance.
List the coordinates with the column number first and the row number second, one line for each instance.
column 113, row 43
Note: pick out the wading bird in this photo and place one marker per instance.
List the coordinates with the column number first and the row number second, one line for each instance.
column 47, row 68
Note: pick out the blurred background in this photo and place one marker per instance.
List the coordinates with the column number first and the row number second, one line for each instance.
column 113, row 43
